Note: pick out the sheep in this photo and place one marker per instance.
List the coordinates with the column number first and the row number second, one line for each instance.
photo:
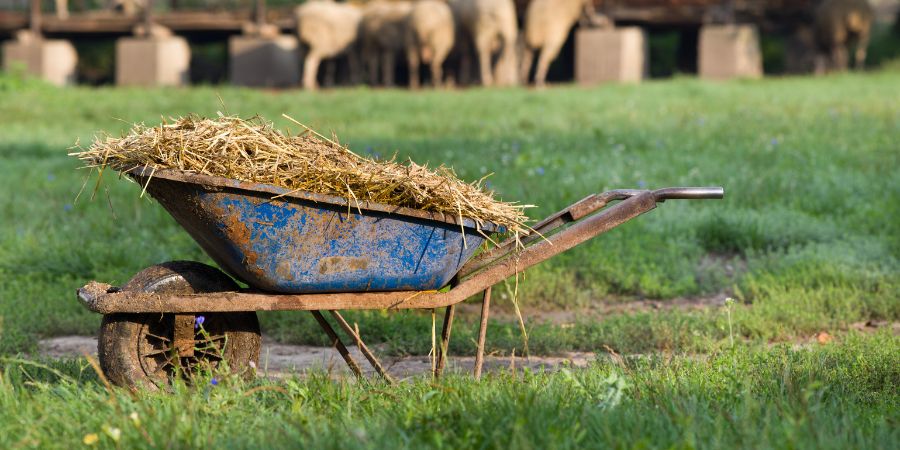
column 327, row 29
column 383, row 34
column 430, row 36
column 840, row 24
column 547, row 25
column 491, row 25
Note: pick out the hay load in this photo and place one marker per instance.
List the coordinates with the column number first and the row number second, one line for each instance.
column 253, row 150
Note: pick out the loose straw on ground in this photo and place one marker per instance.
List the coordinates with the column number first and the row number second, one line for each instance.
column 252, row 150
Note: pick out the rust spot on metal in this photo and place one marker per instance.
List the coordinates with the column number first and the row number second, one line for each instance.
column 284, row 270
column 240, row 235
column 338, row 264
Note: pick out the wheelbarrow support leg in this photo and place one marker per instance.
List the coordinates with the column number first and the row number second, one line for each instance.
column 183, row 335
column 362, row 346
column 482, row 332
column 445, row 340
column 336, row 342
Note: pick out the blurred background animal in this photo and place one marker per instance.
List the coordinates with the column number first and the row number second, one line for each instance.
column 842, row 25
column 430, row 37
column 491, row 26
column 547, row 25
column 383, row 34
column 326, row 30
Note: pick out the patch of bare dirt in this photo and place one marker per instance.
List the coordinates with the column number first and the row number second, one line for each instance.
column 715, row 265
column 278, row 360
column 599, row 309
column 873, row 326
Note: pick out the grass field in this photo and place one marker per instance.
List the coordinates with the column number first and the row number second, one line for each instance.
column 840, row 396
column 807, row 240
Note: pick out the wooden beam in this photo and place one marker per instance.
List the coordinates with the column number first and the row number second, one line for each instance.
column 34, row 16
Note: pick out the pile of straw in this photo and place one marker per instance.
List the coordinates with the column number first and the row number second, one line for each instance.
column 254, row 151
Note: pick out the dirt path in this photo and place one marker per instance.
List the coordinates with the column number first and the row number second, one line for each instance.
column 280, row 359
column 598, row 310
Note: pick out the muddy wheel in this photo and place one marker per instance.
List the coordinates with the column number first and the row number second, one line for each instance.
column 136, row 350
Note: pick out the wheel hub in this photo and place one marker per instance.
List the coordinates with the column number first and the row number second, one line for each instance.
column 162, row 355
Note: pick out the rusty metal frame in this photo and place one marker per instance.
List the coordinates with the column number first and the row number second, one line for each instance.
column 572, row 213
column 561, row 231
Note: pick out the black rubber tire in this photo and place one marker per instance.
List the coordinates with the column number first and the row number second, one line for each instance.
column 126, row 341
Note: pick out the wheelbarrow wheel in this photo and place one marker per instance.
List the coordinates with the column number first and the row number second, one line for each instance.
column 137, row 350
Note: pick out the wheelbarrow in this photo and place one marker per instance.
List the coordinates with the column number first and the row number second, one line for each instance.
column 303, row 251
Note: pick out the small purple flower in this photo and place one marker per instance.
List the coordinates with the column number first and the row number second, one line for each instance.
column 51, row 177
column 198, row 322
column 774, row 142
column 214, row 381
column 539, row 171
column 642, row 184
column 67, row 207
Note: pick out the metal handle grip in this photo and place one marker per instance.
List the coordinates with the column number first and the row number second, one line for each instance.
column 689, row 193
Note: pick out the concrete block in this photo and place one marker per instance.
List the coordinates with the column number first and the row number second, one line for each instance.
column 729, row 51
column 53, row 60
column 152, row 61
column 610, row 55
column 264, row 61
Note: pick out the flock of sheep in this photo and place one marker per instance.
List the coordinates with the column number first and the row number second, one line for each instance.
column 374, row 35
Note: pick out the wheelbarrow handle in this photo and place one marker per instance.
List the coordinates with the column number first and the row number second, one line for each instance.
column 689, row 193
column 595, row 202
column 580, row 210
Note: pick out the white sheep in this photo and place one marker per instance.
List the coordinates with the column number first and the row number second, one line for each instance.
column 430, row 36
column 491, row 25
column 327, row 29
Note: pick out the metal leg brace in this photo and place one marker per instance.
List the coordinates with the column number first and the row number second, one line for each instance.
column 336, row 342
column 362, row 347
column 482, row 332
column 445, row 341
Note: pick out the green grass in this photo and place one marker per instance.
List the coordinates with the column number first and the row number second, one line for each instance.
column 810, row 217
column 806, row 240
column 837, row 396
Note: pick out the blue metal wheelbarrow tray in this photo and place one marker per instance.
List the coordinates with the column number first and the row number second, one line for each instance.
column 279, row 240
column 304, row 251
